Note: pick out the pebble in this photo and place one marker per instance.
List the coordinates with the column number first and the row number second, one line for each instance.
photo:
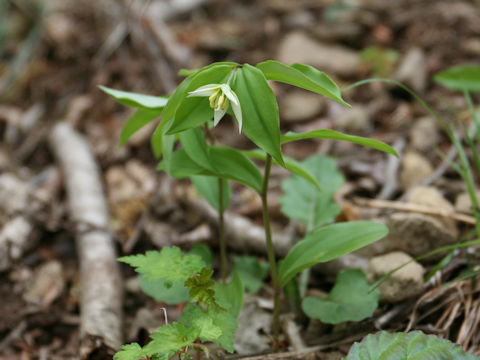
column 402, row 284
column 355, row 120
column 412, row 70
column 415, row 168
column 463, row 203
column 424, row 135
column 298, row 47
column 299, row 106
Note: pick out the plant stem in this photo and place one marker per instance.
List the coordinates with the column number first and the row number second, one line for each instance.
column 271, row 254
column 221, row 232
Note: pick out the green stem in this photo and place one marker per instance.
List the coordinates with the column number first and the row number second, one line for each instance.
column 221, row 232
column 271, row 254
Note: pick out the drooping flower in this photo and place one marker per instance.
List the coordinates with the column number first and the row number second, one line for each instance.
column 220, row 97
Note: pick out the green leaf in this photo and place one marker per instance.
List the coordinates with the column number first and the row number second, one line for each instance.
column 204, row 252
column 462, row 78
column 228, row 323
column 171, row 338
column 181, row 166
column 335, row 135
column 233, row 164
column 194, row 316
column 261, row 123
column 305, row 202
column 290, row 164
column 414, row 345
column 230, row 295
column 139, row 101
column 176, row 293
column 328, row 243
column 202, row 288
column 195, row 111
column 196, row 147
column 302, row 76
column 349, row 300
column 208, row 187
column 131, row 351
column 169, row 264
column 138, row 120
column 251, row 271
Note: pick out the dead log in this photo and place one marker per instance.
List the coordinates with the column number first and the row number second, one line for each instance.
column 101, row 291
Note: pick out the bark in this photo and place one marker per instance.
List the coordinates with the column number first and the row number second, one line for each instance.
column 101, row 291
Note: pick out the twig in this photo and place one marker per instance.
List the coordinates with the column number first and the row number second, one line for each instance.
column 422, row 209
column 101, row 293
column 391, row 172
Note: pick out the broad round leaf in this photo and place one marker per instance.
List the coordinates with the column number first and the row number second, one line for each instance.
column 414, row 345
column 349, row 300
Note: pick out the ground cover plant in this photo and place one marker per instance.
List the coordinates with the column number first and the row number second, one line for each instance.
column 208, row 94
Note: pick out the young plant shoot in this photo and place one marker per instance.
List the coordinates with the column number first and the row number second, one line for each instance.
column 243, row 91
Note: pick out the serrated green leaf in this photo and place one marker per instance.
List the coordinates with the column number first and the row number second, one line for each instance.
column 290, row 164
column 177, row 293
column 195, row 111
column 194, row 316
column 138, row 120
column 302, row 76
column 171, row 338
column 261, row 122
column 139, row 101
column 201, row 288
column 208, row 187
column 336, row 135
column 228, row 323
column 328, row 243
column 131, row 351
column 169, row 264
column 461, row 78
column 349, row 300
column 312, row 205
column 230, row 295
column 251, row 271
column 414, row 345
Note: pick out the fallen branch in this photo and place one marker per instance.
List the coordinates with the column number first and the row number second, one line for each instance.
column 410, row 207
column 101, row 293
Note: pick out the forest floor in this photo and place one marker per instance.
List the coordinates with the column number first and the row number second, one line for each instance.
column 54, row 54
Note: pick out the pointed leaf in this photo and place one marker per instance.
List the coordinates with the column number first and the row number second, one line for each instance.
column 208, row 187
column 195, row 146
column 259, row 110
column 138, row 120
column 302, row 76
column 328, row 243
column 290, row 164
column 171, row 338
column 310, row 204
column 195, row 111
column 414, row 345
column 139, row 101
column 181, row 166
column 335, row 135
column 349, row 300
column 461, row 78
column 131, row 351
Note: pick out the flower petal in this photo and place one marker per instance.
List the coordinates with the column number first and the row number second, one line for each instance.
column 218, row 115
column 230, row 94
column 205, row 90
column 237, row 110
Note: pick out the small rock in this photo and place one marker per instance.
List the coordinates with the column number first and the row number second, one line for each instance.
column 402, row 284
column 463, row 203
column 356, row 120
column 299, row 105
column 415, row 168
column 431, row 197
column 424, row 135
column 47, row 284
column 417, row 234
column 412, row 71
column 16, row 236
column 14, row 194
column 299, row 47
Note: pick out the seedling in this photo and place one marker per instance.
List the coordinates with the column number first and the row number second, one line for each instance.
column 209, row 93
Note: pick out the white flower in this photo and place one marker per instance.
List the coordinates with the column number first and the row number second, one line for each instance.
column 220, row 97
